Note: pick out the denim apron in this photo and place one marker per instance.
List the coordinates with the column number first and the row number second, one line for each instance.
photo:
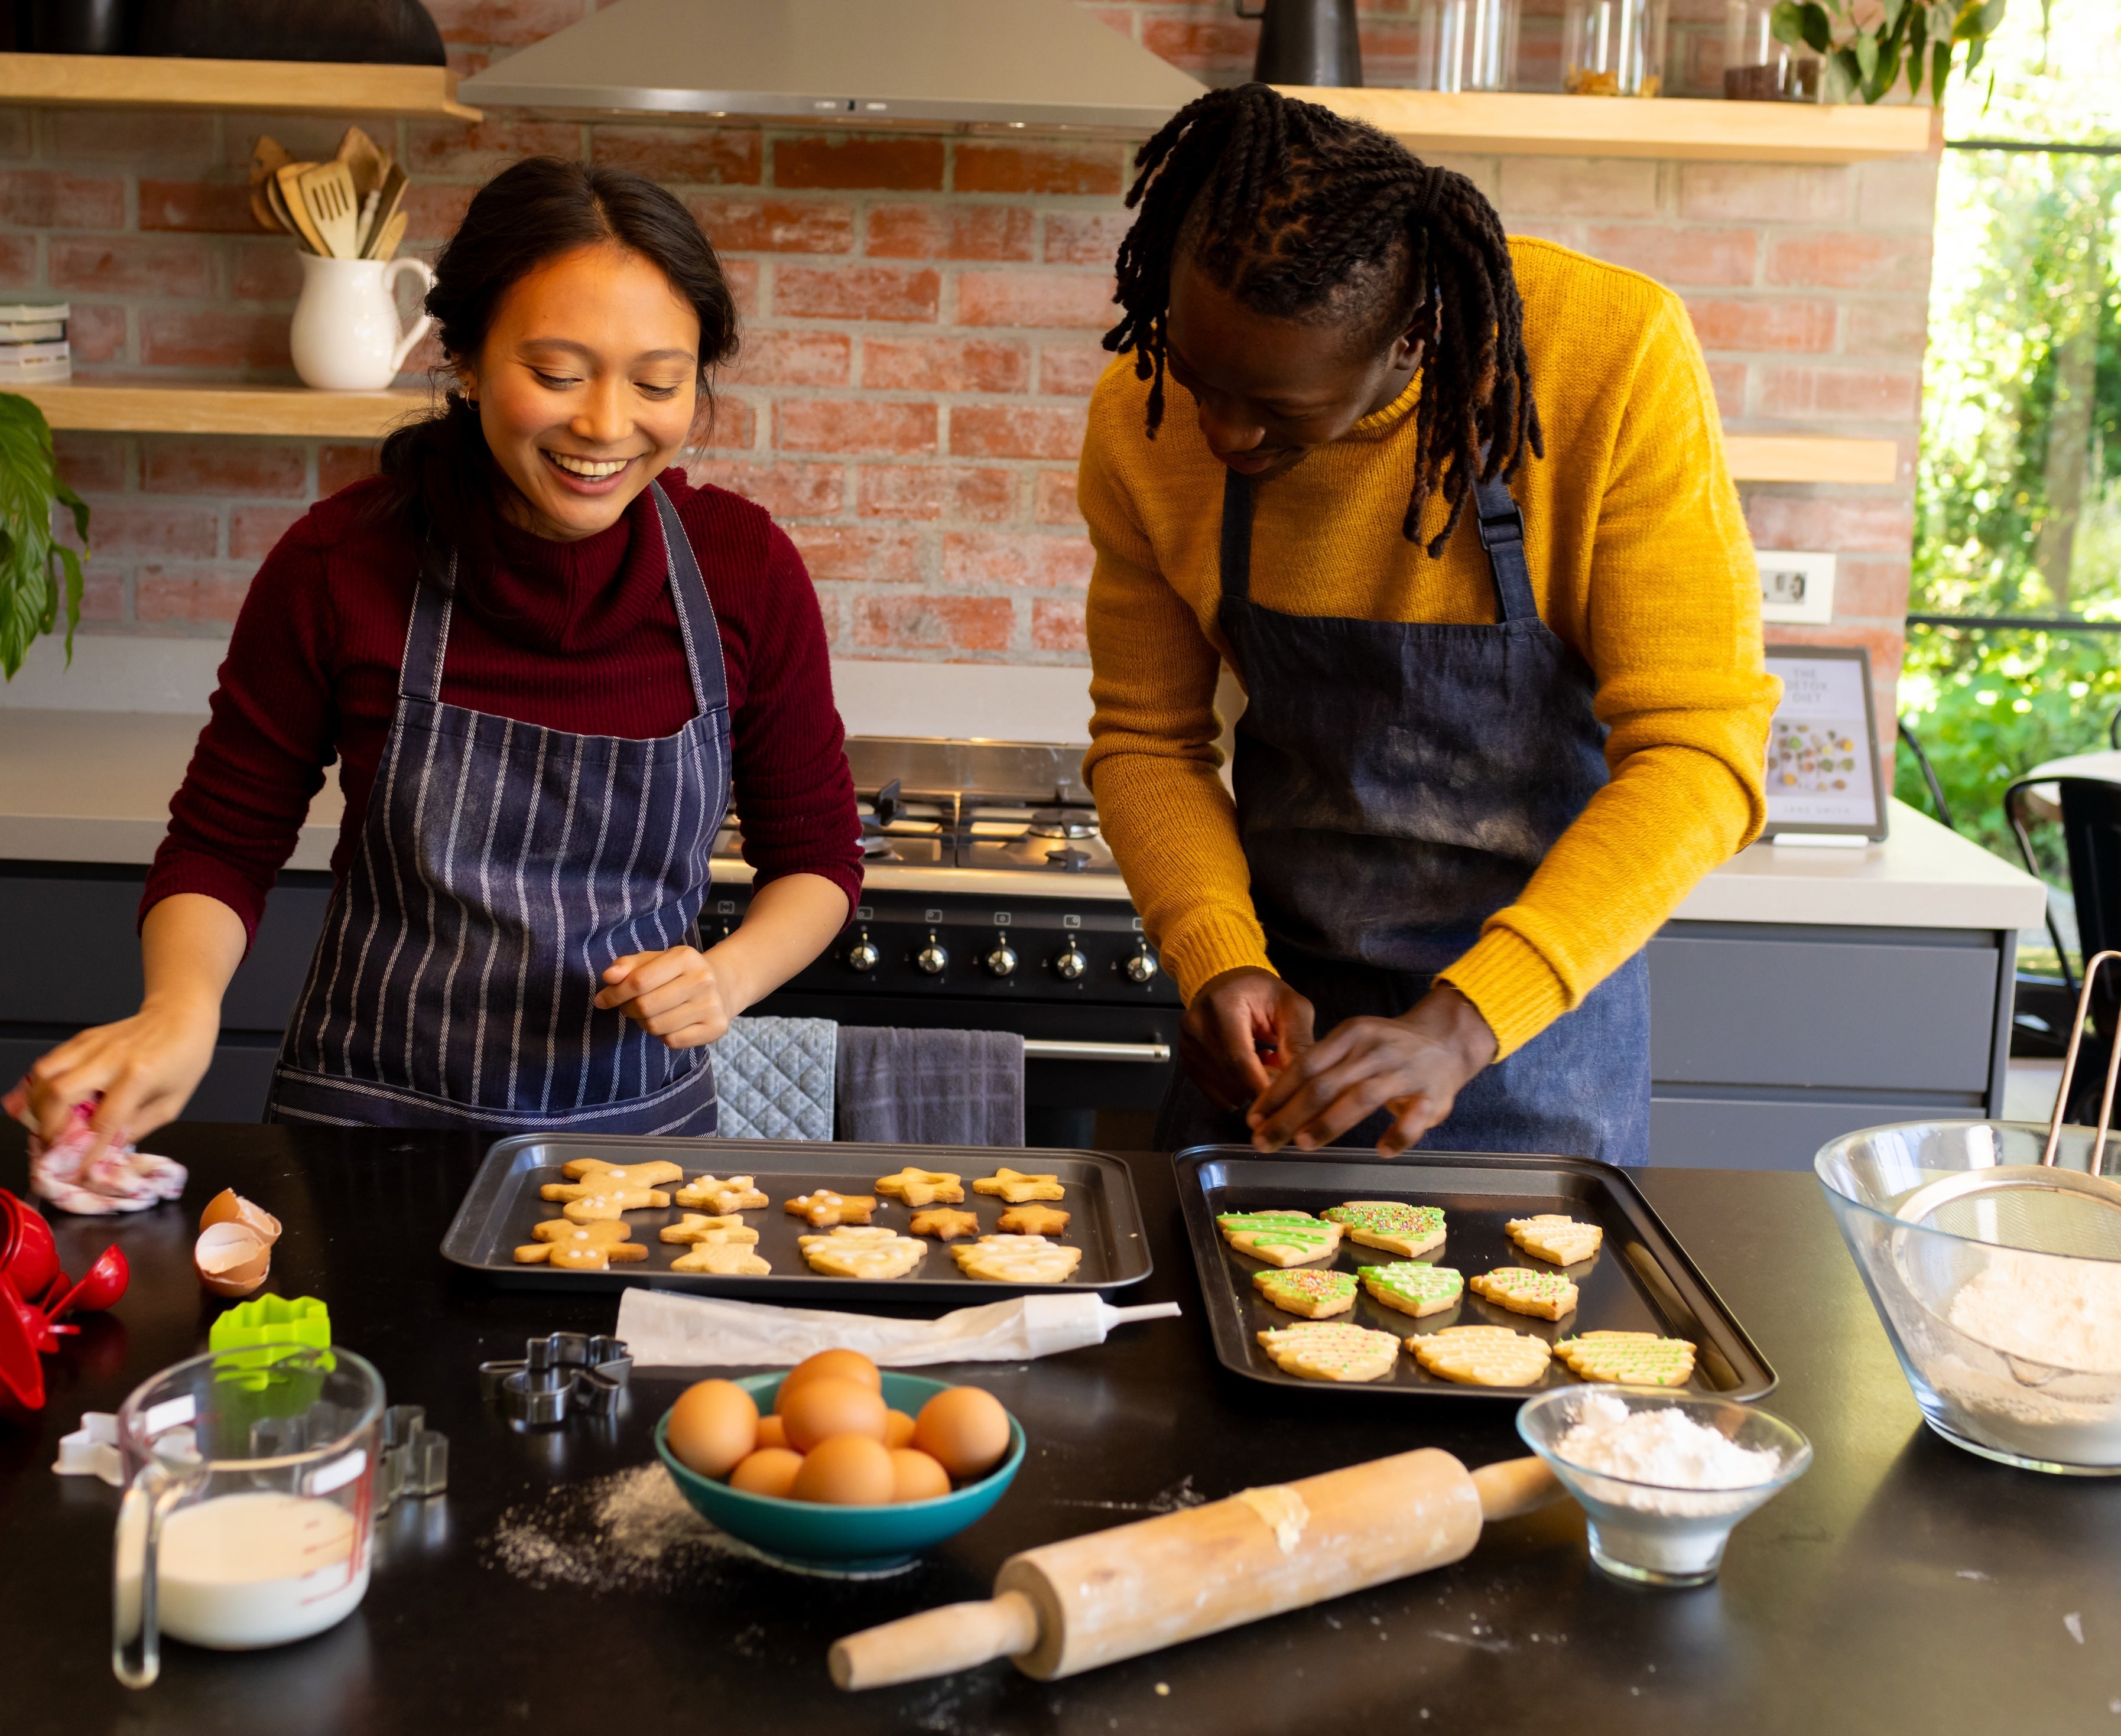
column 1397, row 783
column 502, row 867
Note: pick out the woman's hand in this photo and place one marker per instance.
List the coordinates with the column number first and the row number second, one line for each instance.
column 676, row 996
column 1413, row 1066
column 147, row 1067
column 1231, row 1021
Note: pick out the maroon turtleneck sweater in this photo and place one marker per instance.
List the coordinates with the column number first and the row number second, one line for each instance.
column 575, row 636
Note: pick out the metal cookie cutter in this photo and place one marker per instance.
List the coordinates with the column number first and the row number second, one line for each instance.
column 558, row 1375
column 415, row 1460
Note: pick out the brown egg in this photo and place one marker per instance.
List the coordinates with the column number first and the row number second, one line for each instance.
column 712, row 1427
column 846, row 1471
column 842, row 1365
column 916, row 1476
column 897, row 1430
column 769, row 1471
column 229, row 1206
column 772, row 1432
column 232, row 1259
column 964, row 1429
column 829, row 1406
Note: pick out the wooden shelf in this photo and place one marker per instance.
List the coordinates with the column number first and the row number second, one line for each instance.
column 1519, row 124
column 1803, row 458
column 265, row 87
column 282, row 410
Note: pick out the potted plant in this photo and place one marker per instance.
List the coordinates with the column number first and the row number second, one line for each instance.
column 30, row 586
column 1865, row 42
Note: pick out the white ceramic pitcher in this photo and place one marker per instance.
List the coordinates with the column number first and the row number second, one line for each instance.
column 346, row 336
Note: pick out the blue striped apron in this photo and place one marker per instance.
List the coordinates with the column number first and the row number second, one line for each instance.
column 502, row 867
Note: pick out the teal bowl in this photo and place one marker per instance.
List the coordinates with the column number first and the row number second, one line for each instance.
column 854, row 1539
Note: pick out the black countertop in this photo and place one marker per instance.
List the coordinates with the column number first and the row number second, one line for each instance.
column 1901, row 1586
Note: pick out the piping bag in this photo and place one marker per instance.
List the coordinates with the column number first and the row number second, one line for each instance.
column 664, row 1331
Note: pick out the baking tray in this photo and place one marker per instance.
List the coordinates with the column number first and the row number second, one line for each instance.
column 1640, row 1280
column 503, row 1203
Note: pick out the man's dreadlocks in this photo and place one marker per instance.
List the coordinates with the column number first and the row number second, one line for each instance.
column 1301, row 214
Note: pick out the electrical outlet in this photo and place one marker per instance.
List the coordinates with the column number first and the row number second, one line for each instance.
column 1796, row 586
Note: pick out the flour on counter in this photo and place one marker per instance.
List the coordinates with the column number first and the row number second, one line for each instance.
column 2063, row 1313
column 1663, row 1446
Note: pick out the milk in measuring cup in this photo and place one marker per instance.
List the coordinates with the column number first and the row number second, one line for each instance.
column 258, row 1568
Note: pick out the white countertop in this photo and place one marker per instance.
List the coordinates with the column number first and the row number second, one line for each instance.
column 95, row 786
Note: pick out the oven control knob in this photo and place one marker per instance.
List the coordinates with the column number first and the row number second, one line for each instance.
column 863, row 955
column 1070, row 965
column 1141, row 968
column 1002, row 960
column 934, row 958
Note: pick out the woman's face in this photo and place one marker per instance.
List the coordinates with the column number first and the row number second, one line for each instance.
column 585, row 387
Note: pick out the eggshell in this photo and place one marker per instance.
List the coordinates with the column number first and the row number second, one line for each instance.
column 916, row 1476
column 769, row 1471
column 897, row 1430
column 713, row 1426
column 229, row 1206
column 964, row 1429
column 844, row 1365
column 772, row 1432
column 846, row 1471
column 231, row 1258
column 828, row 1406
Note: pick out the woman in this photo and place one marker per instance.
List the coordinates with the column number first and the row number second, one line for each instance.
column 1478, row 766
column 543, row 662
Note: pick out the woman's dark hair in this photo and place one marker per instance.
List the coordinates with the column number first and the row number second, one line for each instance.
column 439, row 472
column 1302, row 215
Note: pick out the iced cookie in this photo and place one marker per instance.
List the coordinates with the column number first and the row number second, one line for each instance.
column 1032, row 1221
column 1280, row 1238
column 915, row 1187
column 729, row 1230
column 870, row 1251
column 1482, row 1356
column 944, row 1224
column 1017, row 1260
column 1632, row 1358
column 824, row 1208
column 725, row 1259
column 736, row 1194
column 1548, row 1295
column 1386, row 1224
column 1335, row 1350
column 1016, row 1187
column 604, row 1208
column 580, row 1247
column 1311, row 1293
column 1551, row 1236
column 1413, row 1287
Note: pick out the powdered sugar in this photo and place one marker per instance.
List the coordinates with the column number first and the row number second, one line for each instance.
column 1664, row 1446
column 2062, row 1313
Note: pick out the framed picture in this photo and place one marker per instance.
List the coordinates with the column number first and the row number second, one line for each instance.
column 1822, row 770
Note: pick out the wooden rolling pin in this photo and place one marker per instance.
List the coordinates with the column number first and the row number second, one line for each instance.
column 1068, row 1607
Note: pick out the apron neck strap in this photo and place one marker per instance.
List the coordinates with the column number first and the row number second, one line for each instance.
column 428, row 633
column 1496, row 513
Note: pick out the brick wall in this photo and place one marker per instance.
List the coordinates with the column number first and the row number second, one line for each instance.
column 921, row 323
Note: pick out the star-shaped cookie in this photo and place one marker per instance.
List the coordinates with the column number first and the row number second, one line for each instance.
column 1016, row 1187
column 736, row 1194
column 1017, row 1260
column 580, row 1247
column 823, row 1208
column 921, row 1187
column 873, row 1251
column 944, row 1224
column 1032, row 1221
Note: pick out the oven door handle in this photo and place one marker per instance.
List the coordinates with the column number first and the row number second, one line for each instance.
column 1049, row 1049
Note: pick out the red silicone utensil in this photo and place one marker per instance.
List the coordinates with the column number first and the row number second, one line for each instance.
column 20, row 1373
column 28, row 1257
column 100, row 1286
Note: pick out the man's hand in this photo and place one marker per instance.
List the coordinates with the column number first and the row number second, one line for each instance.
column 1231, row 1020
column 1413, row 1066
column 675, row 996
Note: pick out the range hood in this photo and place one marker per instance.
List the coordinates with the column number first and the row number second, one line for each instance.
column 1041, row 63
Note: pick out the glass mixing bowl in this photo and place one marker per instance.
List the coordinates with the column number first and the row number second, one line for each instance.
column 2011, row 1353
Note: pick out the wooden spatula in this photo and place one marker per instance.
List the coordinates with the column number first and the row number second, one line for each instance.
column 364, row 160
column 384, row 245
column 334, row 207
column 287, row 196
column 388, row 197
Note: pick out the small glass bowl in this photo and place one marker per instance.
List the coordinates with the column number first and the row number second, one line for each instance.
column 1644, row 1532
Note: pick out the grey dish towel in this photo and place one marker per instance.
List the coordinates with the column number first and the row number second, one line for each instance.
column 930, row 1087
column 775, row 1077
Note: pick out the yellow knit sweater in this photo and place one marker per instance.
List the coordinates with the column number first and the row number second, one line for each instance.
column 1639, row 560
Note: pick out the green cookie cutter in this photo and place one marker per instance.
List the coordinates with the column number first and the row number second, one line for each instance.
column 263, row 1329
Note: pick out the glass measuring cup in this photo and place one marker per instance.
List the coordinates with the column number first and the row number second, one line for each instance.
column 249, row 1514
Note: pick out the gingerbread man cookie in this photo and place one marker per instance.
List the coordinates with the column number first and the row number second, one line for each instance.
column 873, row 1251
column 1017, row 1259
column 730, row 1231
column 589, row 1176
column 1016, row 1187
column 580, row 1247
column 1032, row 1221
column 725, row 1259
column 944, row 1224
column 595, row 1208
column 823, row 1208
column 915, row 1187
column 736, row 1194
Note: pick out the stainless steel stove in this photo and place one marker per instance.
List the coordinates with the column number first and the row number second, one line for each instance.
column 991, row 902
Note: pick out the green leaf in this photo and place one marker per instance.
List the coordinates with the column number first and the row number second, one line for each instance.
column 1918, row 41
column 1866, row 57
column 1816, row 28
column 31, row 596
column 1939, row 60
column 1890, row 16
column 1787, row 23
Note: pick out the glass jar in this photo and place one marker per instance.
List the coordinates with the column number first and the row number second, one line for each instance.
column 1466, row 45
column 1613, row 48
column 1757, row 67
